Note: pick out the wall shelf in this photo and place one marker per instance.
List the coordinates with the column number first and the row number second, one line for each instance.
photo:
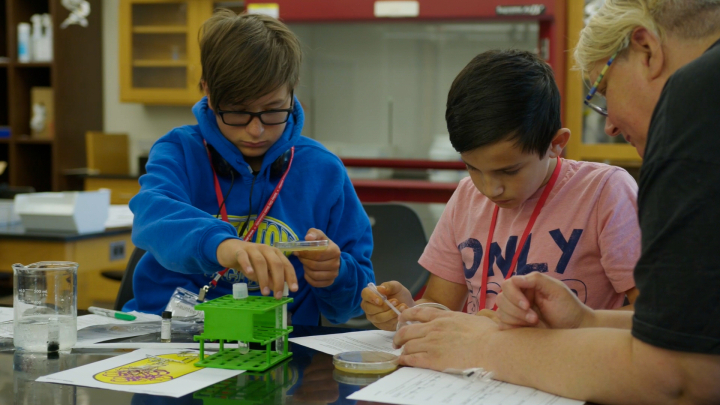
column 32, row 64
column 31, row 141
column 75, row 75
column 160, row 29
column 159, row 63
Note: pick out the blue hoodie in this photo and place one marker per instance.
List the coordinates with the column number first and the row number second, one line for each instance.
column 176, row 207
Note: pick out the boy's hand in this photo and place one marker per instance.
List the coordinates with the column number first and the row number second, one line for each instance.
column 540, row 300
column 378, row 312
column 321, row 266
column 262, row 263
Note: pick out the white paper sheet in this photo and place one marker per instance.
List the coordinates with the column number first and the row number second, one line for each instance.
column 146, row 345
column 124, row 373
column 85, row 321
column 6, row 314
column 6, row 324
column 416, row 386
column 119, row 216
column 370, row 340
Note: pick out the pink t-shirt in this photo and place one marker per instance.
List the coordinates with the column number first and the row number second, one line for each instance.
column 586, row 235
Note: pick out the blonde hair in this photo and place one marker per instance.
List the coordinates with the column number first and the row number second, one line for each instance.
column 610, row 28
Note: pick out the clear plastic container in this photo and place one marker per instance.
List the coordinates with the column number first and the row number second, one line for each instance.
column 45, row 305
column 365, row 362
column 400, row 324
column 298, row 246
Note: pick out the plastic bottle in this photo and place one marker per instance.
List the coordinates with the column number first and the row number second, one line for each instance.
column 48, row 37
column 24, row 44
column 37, row 38
column 166, row 327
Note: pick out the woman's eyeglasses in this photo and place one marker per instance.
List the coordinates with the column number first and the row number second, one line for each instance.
column 600, row 110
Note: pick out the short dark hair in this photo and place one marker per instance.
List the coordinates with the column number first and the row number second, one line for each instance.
column 504, row 95
column 247, row 56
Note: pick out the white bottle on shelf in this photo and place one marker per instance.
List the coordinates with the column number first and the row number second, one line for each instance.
column 24, row 43
column 48, row 37
column 37, row 38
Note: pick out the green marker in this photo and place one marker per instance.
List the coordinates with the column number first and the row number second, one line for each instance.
column 111, row 314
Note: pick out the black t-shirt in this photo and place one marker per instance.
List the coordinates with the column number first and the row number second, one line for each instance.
column 678, row 273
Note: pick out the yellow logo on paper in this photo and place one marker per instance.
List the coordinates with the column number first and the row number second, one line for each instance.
column 151, row 370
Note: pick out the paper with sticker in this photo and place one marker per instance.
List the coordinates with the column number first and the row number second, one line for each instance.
column 165, row 372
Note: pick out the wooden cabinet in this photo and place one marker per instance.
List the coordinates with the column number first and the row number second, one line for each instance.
column 75, row 75
column 588, row 142
column 95, row 253
column 159, row 52
column 122, row 188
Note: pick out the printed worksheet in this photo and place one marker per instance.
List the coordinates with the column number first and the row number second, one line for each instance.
column 86, row 321
column 369, row 340
column 170, row 373
column 416, row 386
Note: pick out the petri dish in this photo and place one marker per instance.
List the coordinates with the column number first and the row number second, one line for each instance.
column 423, row 305
column 356, row 379
column 297, row 246
column 365, row 362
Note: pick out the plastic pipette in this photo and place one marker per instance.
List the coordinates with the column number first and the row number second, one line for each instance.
column 374, row 289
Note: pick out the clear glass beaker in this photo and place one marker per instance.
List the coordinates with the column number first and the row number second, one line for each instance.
column 45, row 304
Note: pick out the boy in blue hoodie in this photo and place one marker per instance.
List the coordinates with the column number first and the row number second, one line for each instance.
column 219, row 194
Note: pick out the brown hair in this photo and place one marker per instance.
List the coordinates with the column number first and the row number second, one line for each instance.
column 245, row 57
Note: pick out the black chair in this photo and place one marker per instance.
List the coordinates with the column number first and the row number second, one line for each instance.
column 115, row 275
column 398, row 242
column 126, row 290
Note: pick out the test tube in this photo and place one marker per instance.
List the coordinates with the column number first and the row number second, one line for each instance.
column 281, row 321
column 53, row 339
column 240, row 292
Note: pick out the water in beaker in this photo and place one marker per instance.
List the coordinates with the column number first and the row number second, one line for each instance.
column 45, row 304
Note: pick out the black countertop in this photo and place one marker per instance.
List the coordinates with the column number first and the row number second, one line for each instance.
column 18, row 232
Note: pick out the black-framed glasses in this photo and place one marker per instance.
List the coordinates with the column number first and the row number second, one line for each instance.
column 269, row 117
column 600, row 110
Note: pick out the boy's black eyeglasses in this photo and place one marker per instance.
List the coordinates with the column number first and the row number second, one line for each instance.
column 269, row 117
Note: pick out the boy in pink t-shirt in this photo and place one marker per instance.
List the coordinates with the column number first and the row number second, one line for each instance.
column 503, row 116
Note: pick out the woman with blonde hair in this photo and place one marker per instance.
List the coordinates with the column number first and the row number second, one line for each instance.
column 657, row 62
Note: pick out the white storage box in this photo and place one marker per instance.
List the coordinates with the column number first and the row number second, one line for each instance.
column 75, row 211
column 8, row 216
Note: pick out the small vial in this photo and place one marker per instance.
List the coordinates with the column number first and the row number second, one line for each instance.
column 240, row 291
column 166, row 327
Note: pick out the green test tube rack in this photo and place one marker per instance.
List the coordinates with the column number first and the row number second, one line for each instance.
column 251, row 388
column 249, row 320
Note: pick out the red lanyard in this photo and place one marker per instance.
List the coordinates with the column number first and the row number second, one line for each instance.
column 528, row 228
column 223, row 211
